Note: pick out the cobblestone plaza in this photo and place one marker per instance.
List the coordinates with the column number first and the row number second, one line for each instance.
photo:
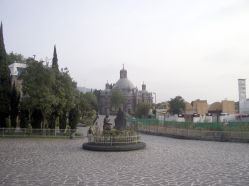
column 165, row 161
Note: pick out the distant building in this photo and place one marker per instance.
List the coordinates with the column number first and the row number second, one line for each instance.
column 199, row 111
column 188, row 109
column 236, row 107
column 16, row 70
column 215, row 108
column 222, row 111
column 228, row 107
column 200, row 107
column 84, row 89
column 196, row 111
column 243, row 102
column 242, row 89
column 132, row 95
column 225, row 107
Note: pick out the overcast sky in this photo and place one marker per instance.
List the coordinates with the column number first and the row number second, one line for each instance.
column 194, row 48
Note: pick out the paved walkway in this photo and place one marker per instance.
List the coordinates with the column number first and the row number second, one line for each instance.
column 165, row 161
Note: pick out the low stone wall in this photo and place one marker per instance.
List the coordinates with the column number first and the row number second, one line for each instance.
column 198, row 134
column 113, row 148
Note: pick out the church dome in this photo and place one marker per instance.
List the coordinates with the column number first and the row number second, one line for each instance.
column 124, row 84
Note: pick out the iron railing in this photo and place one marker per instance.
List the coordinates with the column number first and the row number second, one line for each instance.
column 204, row 134
column 112, row 140
column 27, row 132
column 215, row 126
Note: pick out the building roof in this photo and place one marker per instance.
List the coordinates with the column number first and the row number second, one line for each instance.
column 216, row 106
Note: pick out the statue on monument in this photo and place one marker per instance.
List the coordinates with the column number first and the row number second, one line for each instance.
column 120, row 121
column 107, row 124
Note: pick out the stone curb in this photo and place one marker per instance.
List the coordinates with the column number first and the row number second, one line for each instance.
column 113, row 148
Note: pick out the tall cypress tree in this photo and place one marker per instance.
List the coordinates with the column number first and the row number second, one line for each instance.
column 14, row 104
column 55, row 60
column 5, row 83
column 54, row 114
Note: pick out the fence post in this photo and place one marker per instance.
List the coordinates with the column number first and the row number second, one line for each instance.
column 111, row 140
column 187, row 131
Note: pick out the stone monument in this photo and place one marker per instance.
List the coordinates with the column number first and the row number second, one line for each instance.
column 107, row 125
column 118, row 138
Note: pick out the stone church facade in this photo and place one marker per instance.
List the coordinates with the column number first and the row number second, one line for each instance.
column 132, row 95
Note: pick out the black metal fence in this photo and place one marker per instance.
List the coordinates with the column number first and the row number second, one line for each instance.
column 27, row 132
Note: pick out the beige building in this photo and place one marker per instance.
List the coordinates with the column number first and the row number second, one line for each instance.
column 188, row 108
column 228, row 106
column 200, row 107
column 215, row 107
column 224, row 106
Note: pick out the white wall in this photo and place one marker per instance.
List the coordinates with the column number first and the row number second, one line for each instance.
column 13, row 68
column 171, row 118
column 227, row 118
column 207, row 119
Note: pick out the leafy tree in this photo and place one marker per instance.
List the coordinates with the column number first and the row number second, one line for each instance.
column 83, row 105
column 57, row 88
column 25, row 111
column 50, row 94
column 52, row 120
column 63, row 120
column 14, row 57
column 14, row 105
column 24, row 118
column 37, row 119
column 5, row 83
column 97, row 95
column 73, row 118
column 142, row 110
column 39, row 89
column 92, row 100
column 66, row 91
column 87, row 105
column 117, row 99
column 176, row 105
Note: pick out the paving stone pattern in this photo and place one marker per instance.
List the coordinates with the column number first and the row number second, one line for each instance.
column 165, row 161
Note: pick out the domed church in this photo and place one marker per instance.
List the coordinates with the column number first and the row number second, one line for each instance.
column 131, row 94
